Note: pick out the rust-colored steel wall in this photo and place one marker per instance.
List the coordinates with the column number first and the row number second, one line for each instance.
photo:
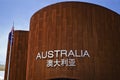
column 18, row 59
column 75, row 26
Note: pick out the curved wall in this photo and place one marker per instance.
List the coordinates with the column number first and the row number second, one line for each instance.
column 75, row 26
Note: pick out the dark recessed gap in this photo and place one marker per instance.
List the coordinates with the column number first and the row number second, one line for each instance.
column 62, row 79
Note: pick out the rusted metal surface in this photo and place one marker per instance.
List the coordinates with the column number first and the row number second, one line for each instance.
column 18, row 59
column 75, row 25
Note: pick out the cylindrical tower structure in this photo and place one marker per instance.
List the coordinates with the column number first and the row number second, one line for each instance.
column 74, row 40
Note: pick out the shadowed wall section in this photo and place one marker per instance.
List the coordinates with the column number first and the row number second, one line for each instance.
column 76, row 26
column 18, row 56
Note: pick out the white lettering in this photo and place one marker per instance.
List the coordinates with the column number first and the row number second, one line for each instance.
column 38, row 56
column 56, row 51
column 44, row 55
column 50, row 54
column 86, row 53
column 76, row 54
column 63, row 52
column 71, row 53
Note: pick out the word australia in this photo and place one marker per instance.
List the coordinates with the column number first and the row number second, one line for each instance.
column 62, row 53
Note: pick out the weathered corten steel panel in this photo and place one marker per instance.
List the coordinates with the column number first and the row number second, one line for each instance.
column 18, row 60
column 75, row 26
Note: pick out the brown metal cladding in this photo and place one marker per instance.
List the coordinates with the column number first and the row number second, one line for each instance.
column 76, row 26
column 18, row 56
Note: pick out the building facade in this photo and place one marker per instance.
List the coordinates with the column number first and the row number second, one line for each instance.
column 68, row 41
column 18, row 57
column 74, row 40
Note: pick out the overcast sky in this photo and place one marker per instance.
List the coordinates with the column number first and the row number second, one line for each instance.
column 20, row 12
